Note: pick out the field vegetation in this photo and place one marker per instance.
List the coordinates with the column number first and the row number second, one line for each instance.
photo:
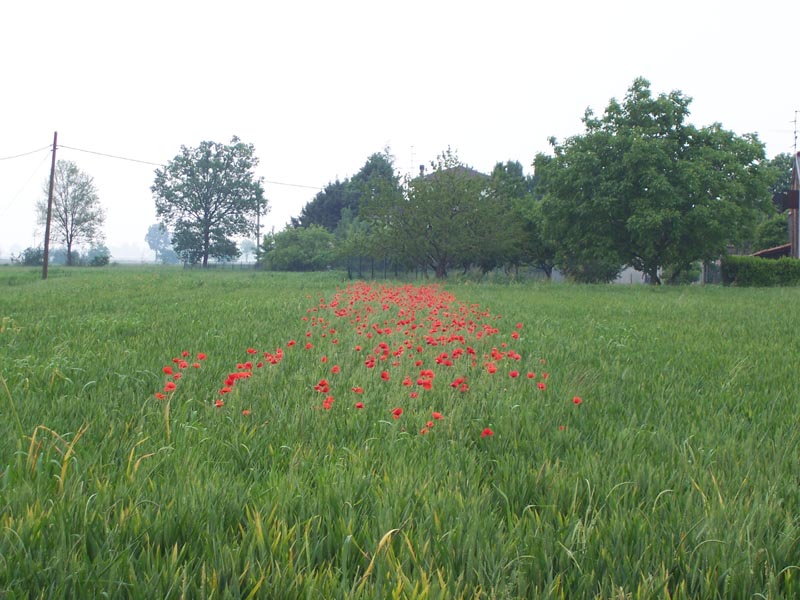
column 603, row 442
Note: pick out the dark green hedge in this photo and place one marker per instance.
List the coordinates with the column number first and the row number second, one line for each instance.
column 751, row 271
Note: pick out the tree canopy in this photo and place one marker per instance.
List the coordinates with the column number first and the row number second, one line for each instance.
column 160, row 241
column 208, row 196
column 643, row 187
column 437, row 221
column 640, row 187
column 326, row 208
column 299, row 249
column 77, row 216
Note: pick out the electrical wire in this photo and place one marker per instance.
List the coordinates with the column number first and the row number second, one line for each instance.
column 26, row 153
column 24, row 186
column 136, row 160
column 310, row 187
column 147, row 162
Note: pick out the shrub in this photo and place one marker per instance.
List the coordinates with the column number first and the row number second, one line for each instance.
column 752, row 271
column 30, row 257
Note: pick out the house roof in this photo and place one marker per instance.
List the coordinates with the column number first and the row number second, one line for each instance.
column 460, row 171
column 774, row 252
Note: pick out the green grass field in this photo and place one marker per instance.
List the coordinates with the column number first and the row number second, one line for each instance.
column 659, row 461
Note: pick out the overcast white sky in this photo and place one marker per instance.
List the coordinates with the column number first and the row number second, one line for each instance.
column 318, row 86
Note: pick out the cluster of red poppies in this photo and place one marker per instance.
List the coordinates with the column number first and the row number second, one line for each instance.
column 402, row 336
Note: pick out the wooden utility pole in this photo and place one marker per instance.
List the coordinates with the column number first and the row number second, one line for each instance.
column 49, row 209
column 793, row 204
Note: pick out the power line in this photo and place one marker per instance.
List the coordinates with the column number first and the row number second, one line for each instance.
column 24, row 186
column 136, row 160
column 25, row 153
column 147, row 162
column 310, row 187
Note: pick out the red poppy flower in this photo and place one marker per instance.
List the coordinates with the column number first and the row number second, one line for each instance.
column 437, row 415
column 359, row 405
column 309, row 346
column 324, row 359
column 487, row 432
column 385, row 375
column 219, row 404
column 196, row 365
column 160, row 396
column 246, row 412
column 358, row 390
column 423, row 431
column 185, row 353
column 531, row 375
column 577, row 400
column 201, row 356
column 170, row 386
column 541, row 385
column 397, row 412
column 513, row 374
column 414, row 395
column 291, row 343
column 167, row 370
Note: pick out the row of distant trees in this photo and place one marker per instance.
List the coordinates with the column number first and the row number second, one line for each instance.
column 639, row 187
column 95, row 256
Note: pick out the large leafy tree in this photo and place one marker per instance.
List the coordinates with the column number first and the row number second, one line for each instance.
column 441, row 220
column 77, row 217
column 643, row 187
column 773, row 228
column 207, row 196
column 160, row 241
column 522, row 240
column 327, row 207
column 781, row 165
